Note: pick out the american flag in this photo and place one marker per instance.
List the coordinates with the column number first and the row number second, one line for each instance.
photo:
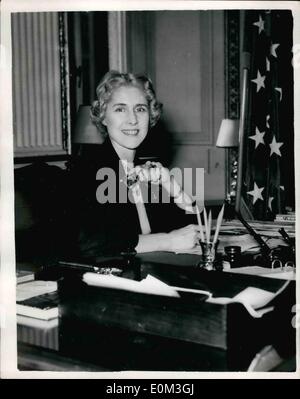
column 268, row 175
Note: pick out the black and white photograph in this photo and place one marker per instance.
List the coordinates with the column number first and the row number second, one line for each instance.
column 149, row 189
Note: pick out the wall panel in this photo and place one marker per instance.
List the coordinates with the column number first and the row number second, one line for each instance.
column 184, row 54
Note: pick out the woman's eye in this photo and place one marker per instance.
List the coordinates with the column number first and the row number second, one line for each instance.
column 142, row 109
column 119, row 109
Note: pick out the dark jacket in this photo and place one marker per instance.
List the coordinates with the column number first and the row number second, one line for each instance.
column 110, row 228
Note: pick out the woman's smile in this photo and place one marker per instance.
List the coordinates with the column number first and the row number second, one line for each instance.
column 130, row 132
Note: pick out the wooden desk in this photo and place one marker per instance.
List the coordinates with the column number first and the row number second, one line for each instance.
column 118, row 330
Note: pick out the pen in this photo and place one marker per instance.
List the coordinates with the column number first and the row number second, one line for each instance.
column 206, row 224
column 194, row 205
column 286, row 237
column 219, row 222
column 80, row 266
column 265, row 248
column 209, row 226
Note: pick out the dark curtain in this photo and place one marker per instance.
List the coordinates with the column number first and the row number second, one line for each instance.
column 268, row 175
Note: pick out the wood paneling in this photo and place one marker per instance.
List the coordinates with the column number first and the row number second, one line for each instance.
column 181, row 59
column 183, row 53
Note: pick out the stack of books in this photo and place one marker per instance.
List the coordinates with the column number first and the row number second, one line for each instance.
column 286, row 217
column 44, row 307
column 37, row 313
column 37, row 303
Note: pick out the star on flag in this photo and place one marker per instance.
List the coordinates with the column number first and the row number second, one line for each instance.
column 260, row 24
column 259, row 81
column 275, row 147
column 258, row 137
column 270, row 203
column 273, row 49
column 279, row 89
column 256, row 193
column 269, row 124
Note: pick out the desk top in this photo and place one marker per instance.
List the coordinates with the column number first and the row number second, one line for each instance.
column 191, row 334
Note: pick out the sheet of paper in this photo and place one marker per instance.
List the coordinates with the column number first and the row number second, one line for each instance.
column 150, row 285
column 287, row 274
column 252, row 298
column 268, row 229
column 283, row 275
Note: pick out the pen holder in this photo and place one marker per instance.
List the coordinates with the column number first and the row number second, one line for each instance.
column 209, row 255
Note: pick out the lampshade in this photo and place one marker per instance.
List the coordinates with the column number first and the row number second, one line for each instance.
column 85, row 131
column 228, row 134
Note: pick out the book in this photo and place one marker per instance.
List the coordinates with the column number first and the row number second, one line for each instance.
column 285, row 217
column 34, row 288
column 44, row 307
column 37, row 323
column 23, row 276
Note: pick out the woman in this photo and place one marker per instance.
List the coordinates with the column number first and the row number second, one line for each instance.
column 125, row 110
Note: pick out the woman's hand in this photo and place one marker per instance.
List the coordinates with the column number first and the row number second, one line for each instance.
column 177, row 240
column 156, row 173
column 153, row 172
column 184, row 238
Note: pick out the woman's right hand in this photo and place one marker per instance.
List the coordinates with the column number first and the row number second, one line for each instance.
column 184, row 238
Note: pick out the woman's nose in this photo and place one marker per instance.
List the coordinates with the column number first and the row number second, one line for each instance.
column 132, row 117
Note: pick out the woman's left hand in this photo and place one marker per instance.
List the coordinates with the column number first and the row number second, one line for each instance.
column 153, row 172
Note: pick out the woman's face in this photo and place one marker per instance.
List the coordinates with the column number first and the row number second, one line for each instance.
column 127, row 117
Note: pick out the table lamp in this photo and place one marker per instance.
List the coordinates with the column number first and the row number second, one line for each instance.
column 228, row 137
column 85, row 131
